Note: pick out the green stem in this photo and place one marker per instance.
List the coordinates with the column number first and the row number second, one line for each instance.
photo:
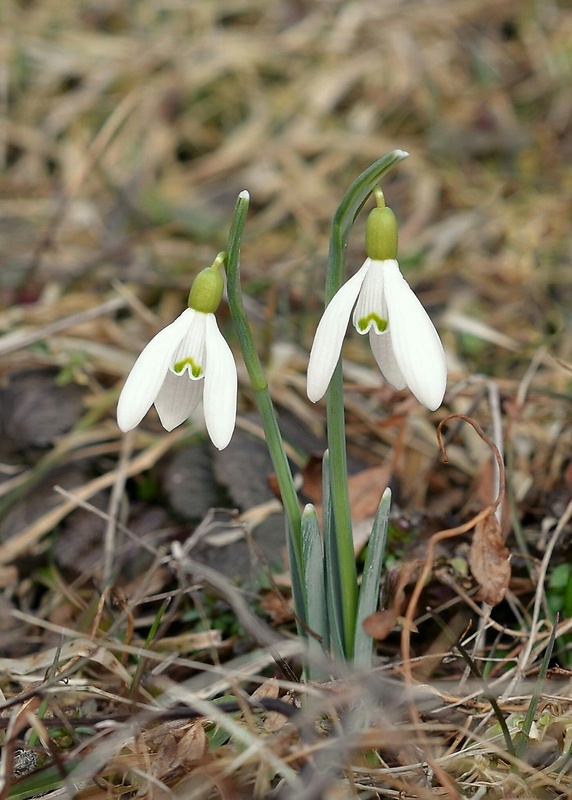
column 345, row 216
column 260, row 387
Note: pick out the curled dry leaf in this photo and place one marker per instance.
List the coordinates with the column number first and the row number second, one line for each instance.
column 488, row 560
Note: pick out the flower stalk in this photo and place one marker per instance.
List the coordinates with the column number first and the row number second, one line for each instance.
column 261, row 392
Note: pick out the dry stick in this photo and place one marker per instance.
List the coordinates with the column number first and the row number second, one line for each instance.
column 525, row 654
column 449, row 533
column 440, row 536
column 18, row 722
column 96, row 150
column 528, row 377
column 19, row 339
column 22, row 542
column 105, row 516
column 494, row 404
column 485, row 616
column 113, row 507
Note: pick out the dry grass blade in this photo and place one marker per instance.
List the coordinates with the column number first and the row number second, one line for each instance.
column 125, row 136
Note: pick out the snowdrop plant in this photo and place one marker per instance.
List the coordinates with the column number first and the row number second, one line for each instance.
column 187, row 361
column 326, row 597
column 399, row 328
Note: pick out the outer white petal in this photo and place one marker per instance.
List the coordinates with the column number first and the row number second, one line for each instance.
column 177, row 398
column 382, row 349
column 416, row 344
column 330, row 334
column 220, row 386
column 146, row 378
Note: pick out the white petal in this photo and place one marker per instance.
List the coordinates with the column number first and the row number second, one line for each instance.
column 177, row 398
column 220, row 386
column 330, row 334
column 146, row 378
column 416, row 344
column 371, row 307
column 382, row 349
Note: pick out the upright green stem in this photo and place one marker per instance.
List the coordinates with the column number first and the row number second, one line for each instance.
column 344, row 218
column 260, row 385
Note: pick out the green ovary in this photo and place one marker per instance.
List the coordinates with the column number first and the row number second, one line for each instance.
column 379, row 322
column 195, row 369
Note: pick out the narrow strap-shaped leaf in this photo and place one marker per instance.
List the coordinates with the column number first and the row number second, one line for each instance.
column 315, row 592
column 369, row 590
column 332, row 567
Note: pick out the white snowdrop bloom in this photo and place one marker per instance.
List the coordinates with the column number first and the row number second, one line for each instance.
column 404, row 342
column 186, row 361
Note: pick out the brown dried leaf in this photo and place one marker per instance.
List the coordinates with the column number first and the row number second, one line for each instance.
column 380, row 624
column 312, row 479
column 193, row 746
column 277, row 607
column 166, row 760
column 273, row 720
column 365, row 489
column 488, row 560
column 268, row 689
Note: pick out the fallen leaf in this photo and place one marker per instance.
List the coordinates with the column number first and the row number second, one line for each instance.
column 193, row 745
column 35, row 411
column 488, row 560
column 365, row 489
column 276, row 607
column 270, row 689
column 312, row 479
column 243, row 469
column 165, row 760
column 189, row 484
column 380, row 624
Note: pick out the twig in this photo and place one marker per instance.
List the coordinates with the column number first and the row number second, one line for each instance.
column 114, row 504
column 522, row 664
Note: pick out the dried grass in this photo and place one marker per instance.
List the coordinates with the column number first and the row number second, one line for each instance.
column 126, row 132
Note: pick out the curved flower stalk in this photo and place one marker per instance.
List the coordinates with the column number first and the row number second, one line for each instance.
column 186, row 361
column 404, row 342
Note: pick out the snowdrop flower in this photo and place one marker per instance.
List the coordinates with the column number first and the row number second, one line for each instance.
column 187, row 360
column 403, row 339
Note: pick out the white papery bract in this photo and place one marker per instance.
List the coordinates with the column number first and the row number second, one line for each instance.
column 404, row 342
column 187, row 360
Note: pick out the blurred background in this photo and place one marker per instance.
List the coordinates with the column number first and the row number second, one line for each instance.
column 127, row 130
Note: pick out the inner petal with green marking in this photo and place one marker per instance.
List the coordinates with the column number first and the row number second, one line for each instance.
column 364, row 323
column 195, row 370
